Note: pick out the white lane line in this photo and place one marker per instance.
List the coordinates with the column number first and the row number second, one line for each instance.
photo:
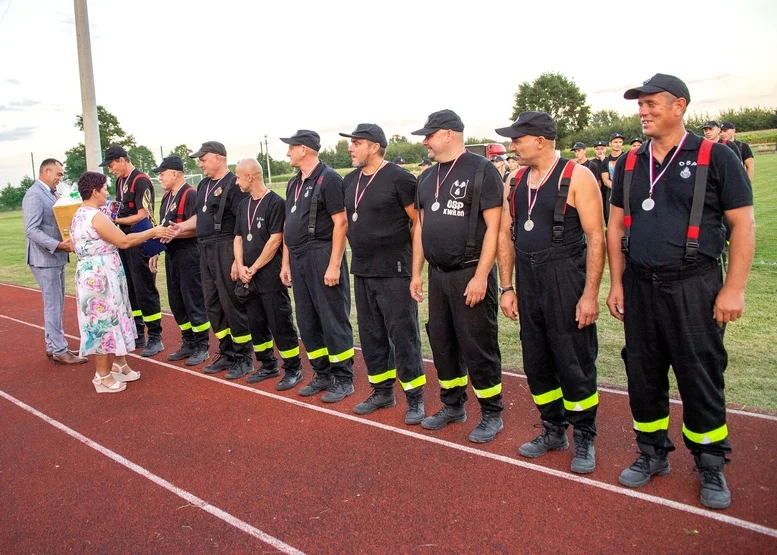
column 183, row 494
column 697, row 511
column 504, row 373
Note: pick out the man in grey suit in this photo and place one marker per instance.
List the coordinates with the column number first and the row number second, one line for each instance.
column 47, row 256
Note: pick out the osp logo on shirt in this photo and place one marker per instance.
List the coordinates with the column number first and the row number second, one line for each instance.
column 454, row 206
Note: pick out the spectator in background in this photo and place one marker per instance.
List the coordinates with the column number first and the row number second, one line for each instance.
column 424, row 165
column 399, row 161
column 728, row 132
column 636, row 142
column 500, row 162
column 608, row 168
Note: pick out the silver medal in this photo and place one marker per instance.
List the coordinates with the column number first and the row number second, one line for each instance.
column 435, row 206
column 205, row 208
column 648, row 204
column 529, row 225
column 355, row 216
column 293, row 209
column 249, row 237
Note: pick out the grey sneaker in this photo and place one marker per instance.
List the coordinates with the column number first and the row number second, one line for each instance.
column 446, row 415
column 379, row 399
column 584, row 459
column 339, row 390
column 714, row 490
column 316, row 385
column 490, row 425
column 415, row 409
column 552, row 438
column 651, row 462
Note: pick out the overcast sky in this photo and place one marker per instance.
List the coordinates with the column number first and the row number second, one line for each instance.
column 234, row 70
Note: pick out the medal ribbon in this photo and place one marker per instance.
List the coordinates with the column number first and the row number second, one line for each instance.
column 660, row 175
column 529, row 201
column 248, row 211
column 302, row 179
column 437, row 191
column 212, row 186
column 357, row 198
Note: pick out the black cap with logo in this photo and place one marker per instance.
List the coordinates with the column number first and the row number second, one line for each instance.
column 425, row 162
column 727, row 125
column 368, row 131
column 710, row 124
column 444, row 119
column 636, row 140
column 210, row 147
column 169, row 163
column 616, row 136
column 578, row 145
column 113, row 153
column 304, row 137
column 536, row 124
column 660, row 82
column 600, row 143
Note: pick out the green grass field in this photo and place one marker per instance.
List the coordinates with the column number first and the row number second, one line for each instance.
column 751, row 379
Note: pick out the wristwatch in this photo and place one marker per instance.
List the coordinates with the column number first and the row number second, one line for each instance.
column 506, row 289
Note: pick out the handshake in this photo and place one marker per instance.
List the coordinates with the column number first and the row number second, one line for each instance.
column 167, row 234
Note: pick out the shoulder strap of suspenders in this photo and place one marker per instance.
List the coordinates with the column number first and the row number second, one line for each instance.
column 561, row 202
column 474, row 210
column 518, row 178
column 179, row 215
column 314, row 205
column 631, row 160
column 222, row 205
column 699, row 191
column 132, row 187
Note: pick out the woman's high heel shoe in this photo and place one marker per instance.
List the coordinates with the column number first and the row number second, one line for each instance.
column 124, row 373
column 115, row 387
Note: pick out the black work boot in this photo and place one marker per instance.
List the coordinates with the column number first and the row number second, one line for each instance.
column 241, row 367
column 552, row 438
column 219, row 364
column 448, row 414
column 340, row 389
column 269, row 369
column 651, row 462
column 584, row 459
column 490, row 425
column 291, row 377
column 154, row 346
column 316, row 385
column 199, row 356
column 415, row 407
column 379, row 399
column 186, row 350
column 140, row 342
column 714, row 490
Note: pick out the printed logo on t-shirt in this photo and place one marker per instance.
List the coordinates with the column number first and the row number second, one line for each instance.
column 459, row 189
column 259, row 221
column 308, row 189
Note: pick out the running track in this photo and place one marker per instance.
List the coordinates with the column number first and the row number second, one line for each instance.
column 186, row 463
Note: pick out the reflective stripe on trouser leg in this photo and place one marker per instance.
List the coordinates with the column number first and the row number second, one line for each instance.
column 146, row 293
column 234, row 312
column 186, row 262
column 706, row 438
column 650, row 427
column 584, row 404
column 376, row 379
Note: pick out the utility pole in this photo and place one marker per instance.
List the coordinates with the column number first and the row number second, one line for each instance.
column 161, row 153
column 267, row 159
column 88, row 98
column 32, row 158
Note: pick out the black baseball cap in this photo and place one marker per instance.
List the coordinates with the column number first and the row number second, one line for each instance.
column 600, row 143
column 425, row 162
column 636, row 140
column 444, row 119
column 727, row 125
column 512, row 157
column 210, row 147
column 399, row 160
column 537, row 124
column 113, row 153
column 169, row 163
column 370, row 132
column 710, row 124
column 304, row 137
column 578, row 145
column 616, row 136
column 660, row 82
column 499, row 157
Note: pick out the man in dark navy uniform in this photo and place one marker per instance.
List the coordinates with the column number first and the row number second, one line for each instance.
column 664, row 242
column 712, row 132
column 728, row 132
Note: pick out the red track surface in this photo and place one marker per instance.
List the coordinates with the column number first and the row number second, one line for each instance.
column 322, row 480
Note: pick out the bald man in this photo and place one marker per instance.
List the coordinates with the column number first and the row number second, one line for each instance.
column 258, row 254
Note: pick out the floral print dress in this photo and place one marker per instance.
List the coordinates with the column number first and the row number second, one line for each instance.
column 104, row 313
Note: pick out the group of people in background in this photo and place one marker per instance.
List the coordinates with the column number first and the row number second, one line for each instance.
column 234, row 248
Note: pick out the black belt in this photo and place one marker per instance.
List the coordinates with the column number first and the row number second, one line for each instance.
column 456, row 267
column 676, row 273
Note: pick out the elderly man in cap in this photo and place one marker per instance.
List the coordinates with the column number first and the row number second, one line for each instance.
column 664, row 242
column 218, row 197
column 136, row 193
column 458, row 202
column 728, row 132
column 313, row 260
column 182, row 264
column 379, row 200
column 557, row 247
column 712, row 132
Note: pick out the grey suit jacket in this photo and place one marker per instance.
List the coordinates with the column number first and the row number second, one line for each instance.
column 40, row 227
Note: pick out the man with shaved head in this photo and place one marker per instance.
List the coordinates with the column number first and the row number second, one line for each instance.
column 258, row 254
column 664, row 242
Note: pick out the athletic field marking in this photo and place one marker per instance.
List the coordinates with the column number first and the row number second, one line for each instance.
column 183, row 494
column 504, row 373
column 704, row 513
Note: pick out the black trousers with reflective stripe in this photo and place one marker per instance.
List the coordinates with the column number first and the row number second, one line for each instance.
column 143, row 294
column 270, row 317
column 464, row 339
column 224, row 310
column 668, row 322
column 184, row 292
column 556, row 354
column 388, row 331
column 323, row 312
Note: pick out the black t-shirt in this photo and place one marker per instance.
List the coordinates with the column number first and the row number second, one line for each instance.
column 299, row 193
column 267, row 217
column 744, row 150
column 541, row 236
column 608, row 166
column 132, row 198
column 445, row 230
column 380, row 237
column 733, row 146
column 177, row 209
column 209, row 193
column 658, row 236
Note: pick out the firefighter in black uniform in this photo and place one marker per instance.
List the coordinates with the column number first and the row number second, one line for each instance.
column 258, row 253
column 379, row 200
column 557, row 247
column 712, row 132
column 217, row 199
column 314, row 260
column 182, row 264
column 664, row 241
column 136, row 193
column 459, row 203
column 728, row 131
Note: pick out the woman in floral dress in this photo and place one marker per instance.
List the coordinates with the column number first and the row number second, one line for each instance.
column 104, row 313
